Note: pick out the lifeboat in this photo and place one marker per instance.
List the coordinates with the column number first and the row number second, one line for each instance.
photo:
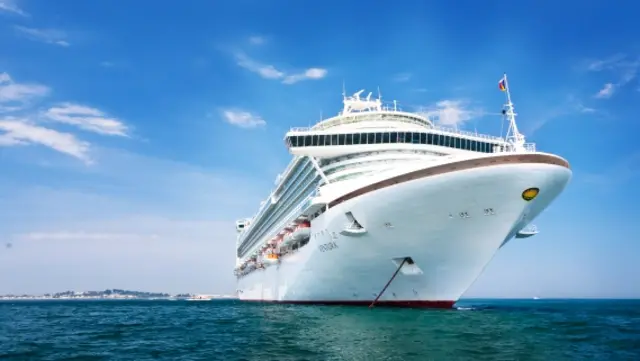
column 302, row 231
column 271, row 258
column 287, row 236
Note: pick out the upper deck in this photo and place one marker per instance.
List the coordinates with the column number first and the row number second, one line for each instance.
column 366, row 124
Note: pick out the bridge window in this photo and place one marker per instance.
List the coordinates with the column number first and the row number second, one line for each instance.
column 391, row 137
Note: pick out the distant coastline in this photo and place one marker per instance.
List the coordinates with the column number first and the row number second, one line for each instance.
column 115, row 294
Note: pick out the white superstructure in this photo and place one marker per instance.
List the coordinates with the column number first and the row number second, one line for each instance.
column 380, row 205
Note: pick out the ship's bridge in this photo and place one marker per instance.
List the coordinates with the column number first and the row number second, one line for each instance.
column 368, row 113
column 366, row 125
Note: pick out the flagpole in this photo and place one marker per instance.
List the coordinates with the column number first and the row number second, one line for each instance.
column 518, row 138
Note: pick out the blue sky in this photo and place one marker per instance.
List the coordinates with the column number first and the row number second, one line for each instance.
column 132, row 137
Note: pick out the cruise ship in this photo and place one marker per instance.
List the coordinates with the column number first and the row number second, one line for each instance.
column 380, row 206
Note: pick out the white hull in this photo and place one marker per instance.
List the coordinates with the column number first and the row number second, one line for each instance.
column 450, row 248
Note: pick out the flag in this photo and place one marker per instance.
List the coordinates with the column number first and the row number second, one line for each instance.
column 502, row 84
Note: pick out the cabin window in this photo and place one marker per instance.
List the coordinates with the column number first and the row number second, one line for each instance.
column 378, row 138
column 293, row 141
column 385, row 138
column 416, row 138
column 457, row 143
column 327, row 139
column 429, row 138
column 363, row 138
column 334, row 139
column 371, row 138
column 356, row 139
column 423, row 138
column 341, row 139
column 315, row 141
column 349, row 139
column 307, row 141
column 407, row 137
column 474, row 146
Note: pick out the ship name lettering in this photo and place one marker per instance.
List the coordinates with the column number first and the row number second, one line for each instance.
column 327, row 247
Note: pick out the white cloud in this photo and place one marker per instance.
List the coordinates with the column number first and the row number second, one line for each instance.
column 271, row 72
column 178, row 218
column 28, row 128
column 21, row 132
column 402, row 77
column 311, row 73
column 49, row 36
column 17, row 94
column 606, row 91
column 450, row 112
column 623, row 68
column 570, row 106
column 87, row 118
column 85, row 236
column 243, row 119
column 10, row 6
column 257, row 40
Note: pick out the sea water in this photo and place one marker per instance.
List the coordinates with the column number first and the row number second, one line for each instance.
column 550, row 330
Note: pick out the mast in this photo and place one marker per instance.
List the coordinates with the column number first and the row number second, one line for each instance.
column 513, row 136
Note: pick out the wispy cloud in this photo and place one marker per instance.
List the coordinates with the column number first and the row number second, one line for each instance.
column 243, row 118
column 85, row 236
column 571, row 105
column 23, row 124
column 111, row 211
column 49, row 36
column 622, row 68
column 15, row 95
column 271, row 72
column 451, row 112
column 87, row 118
column 624, row 170
column 606, row 91
column 23, row 132
column 257, row 40
column 10, row 6
column 402, row 77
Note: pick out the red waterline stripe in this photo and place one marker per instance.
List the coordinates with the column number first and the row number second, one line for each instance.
column 403, row 304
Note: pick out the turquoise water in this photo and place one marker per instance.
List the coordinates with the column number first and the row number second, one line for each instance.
column 550, row 330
